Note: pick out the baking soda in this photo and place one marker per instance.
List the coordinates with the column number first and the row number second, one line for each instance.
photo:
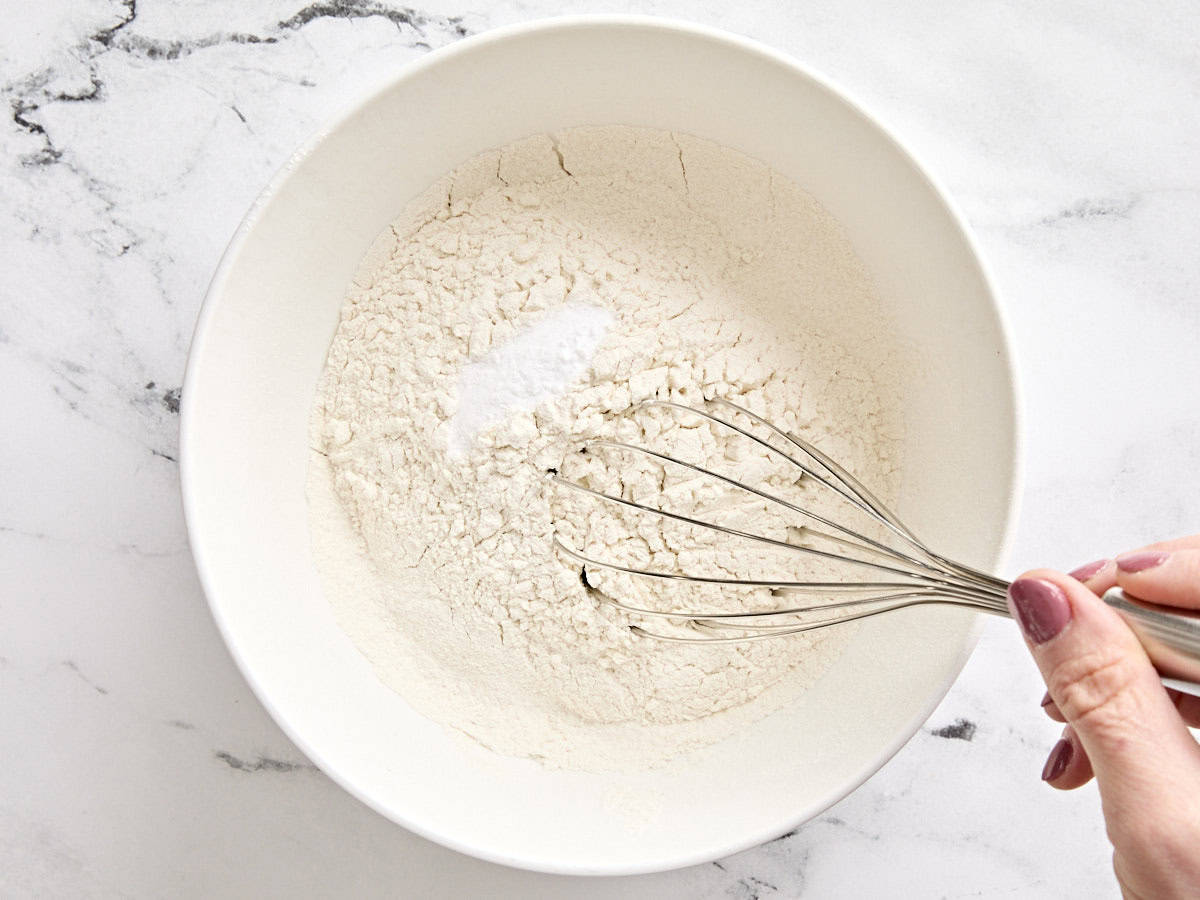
column 528, row 369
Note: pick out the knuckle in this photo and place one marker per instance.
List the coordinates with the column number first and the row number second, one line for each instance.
column 1094, row 690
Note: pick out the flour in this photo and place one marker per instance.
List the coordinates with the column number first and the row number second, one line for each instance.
column 517, row 308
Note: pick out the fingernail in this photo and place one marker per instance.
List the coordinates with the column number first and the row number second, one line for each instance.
column 1041, row 608
column 1058, row 760
column 1142, row 560
column 1083, row 573
column 1047, row 700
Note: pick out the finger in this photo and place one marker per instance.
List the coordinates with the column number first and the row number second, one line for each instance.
column 1103, row 684
column 1169, row 577
column 1099, row 576
column 1067, row 767
column 1187, row 705
column 1051, row 709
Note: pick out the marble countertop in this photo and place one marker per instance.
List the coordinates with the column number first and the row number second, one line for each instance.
column 135, row 759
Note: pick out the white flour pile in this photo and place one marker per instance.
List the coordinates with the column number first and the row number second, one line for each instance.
column 513, row 311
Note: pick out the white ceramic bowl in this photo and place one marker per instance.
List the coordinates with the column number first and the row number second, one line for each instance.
column 261, row 341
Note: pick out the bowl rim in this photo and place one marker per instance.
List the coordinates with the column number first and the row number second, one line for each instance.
column 353, row 107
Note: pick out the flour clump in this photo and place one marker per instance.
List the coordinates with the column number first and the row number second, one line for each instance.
column 518, row 307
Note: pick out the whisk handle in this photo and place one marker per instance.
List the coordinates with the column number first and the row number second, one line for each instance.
column 1171, row 638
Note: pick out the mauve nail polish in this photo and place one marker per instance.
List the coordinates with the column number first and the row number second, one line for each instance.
column 1041, row 608
column 1142, row 560
column 1083, row 573
column 1058, row 760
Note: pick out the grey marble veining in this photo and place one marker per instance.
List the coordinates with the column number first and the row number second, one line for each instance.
column 136, row 761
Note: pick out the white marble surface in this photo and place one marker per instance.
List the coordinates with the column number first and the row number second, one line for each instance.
column 135, row 761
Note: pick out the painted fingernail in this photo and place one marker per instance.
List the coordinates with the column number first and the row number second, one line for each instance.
column 1083, row 573
column 1141, row 561
column 1058, row 760
column 1047, row 700
column 1041, row 608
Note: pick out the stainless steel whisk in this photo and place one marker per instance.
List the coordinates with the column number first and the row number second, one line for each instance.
column 899, row 571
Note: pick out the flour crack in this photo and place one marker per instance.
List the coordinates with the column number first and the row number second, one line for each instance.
column 682, row 165
column 562, row 162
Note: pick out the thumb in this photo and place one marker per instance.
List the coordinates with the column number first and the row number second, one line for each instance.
column 1103, row 683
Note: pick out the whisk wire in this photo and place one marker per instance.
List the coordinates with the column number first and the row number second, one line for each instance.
column 868, row 501
column 853, row 484
column 750, row 632
column 904, row 579
column 776, row 586
column 839, row 480
column 734, row 532
column 857, row 540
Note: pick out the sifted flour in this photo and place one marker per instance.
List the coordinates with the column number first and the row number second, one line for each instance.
column 515, row 309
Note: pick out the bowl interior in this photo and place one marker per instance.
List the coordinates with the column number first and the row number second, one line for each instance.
column 261, row 343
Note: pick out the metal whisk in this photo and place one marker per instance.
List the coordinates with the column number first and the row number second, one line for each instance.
column 898, row 570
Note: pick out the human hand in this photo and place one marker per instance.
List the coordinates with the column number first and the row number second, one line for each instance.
column 1122, row 725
